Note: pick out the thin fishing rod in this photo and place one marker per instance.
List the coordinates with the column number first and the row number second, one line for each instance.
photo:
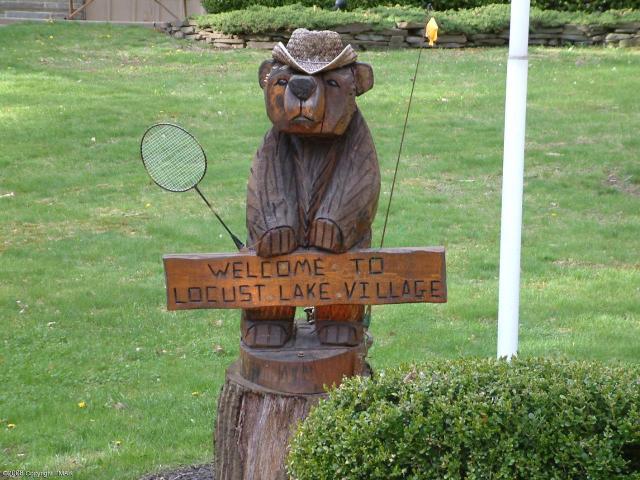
column 404, row 131
column 367, row 316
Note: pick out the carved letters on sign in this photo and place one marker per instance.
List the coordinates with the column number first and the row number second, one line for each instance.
column 303, row 278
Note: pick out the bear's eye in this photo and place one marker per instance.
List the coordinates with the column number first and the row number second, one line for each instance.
column 332, row 83
column 282, row 82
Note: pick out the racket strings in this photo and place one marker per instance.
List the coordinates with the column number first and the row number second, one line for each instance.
column 173, row 158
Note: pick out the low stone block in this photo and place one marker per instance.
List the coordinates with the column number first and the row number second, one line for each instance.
column 628, row 27
column 191, row 36
column 188, row 30
column 393, row 32
column 265, row 45
column 353, row 28
column 547, row 30
column 482, row 36
column 258, row 38
column 178, row 34
column 596, row 30
column 370, row 37
column 414, row 40
column 396, row 41
column 220, row 35
column 571, row 37
column 409, row 25
column 180, row 23
column 616, row 37
column 630, row 42
column 365, row 45
column 570, row 29
column 230, row 41
column 538, row 36
column 461, row 39
column 490, row 42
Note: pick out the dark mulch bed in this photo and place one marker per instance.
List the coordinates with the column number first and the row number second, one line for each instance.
column 192, row 472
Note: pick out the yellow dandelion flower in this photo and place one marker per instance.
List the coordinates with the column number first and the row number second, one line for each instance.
column 195, row 394
column 11, row 426
column 82, row 404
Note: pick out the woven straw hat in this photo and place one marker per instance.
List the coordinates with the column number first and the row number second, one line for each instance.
column 314, row 51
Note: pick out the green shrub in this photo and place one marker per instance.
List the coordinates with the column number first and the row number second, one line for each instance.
column 488, row 19
column 217, row 6
column 476, row 419
column 259, row 19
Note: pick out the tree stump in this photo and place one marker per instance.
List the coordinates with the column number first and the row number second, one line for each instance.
column 253, row 428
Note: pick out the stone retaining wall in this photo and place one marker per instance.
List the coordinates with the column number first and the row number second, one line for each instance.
column 408, row 34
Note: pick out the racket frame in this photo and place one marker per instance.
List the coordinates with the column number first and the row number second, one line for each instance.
column 144, row 164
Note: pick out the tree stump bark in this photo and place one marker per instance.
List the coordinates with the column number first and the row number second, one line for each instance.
column 253, row 428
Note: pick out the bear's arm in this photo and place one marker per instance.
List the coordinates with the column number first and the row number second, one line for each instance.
column 271, row 199
column 352, row 199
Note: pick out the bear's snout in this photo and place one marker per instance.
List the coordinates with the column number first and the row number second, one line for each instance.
column 302, row 86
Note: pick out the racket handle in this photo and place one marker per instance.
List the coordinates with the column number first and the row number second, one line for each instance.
column 236, row 240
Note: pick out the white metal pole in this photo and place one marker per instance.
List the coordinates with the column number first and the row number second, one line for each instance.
column 512, row 180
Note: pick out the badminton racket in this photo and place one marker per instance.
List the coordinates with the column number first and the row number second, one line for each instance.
column 176, row 162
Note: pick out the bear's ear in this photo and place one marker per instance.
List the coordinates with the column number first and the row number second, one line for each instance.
column 264, row 70
column 364, row 77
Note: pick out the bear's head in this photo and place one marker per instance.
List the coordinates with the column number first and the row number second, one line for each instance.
column 311, row 84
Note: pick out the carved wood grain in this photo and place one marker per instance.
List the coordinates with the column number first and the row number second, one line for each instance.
column 298, row 181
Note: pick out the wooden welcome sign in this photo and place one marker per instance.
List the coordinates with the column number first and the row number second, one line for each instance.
column 303, row 278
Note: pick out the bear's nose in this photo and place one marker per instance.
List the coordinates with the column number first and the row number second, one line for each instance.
column 302, row 87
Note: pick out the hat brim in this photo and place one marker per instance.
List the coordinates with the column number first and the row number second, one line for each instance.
column 310, row 67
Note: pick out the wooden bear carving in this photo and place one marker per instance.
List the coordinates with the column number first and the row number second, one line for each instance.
column 315, row 179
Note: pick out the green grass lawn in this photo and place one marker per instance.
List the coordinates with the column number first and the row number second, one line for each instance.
column 83, row 230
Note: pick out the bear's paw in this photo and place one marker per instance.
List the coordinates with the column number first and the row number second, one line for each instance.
column 277, row 241
column 326, row 235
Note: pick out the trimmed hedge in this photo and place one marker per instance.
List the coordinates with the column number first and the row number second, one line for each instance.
column 489, row 19
column 476, row 419
column 217, row 6
column 259, row 19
